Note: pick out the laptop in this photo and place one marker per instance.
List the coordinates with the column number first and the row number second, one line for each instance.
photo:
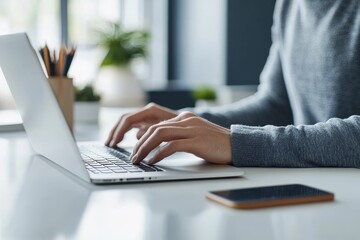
column 51, row 137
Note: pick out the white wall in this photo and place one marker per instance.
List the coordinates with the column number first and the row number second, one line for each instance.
column 202, row 42
column 156, row 21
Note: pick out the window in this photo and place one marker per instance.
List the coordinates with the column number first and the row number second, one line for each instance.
column 39, row 18
column 85, row 17
column 44, row 21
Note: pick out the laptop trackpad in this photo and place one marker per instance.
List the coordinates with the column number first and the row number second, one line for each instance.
column 188, row 163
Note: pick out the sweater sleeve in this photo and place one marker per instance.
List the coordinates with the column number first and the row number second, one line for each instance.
column 270, row 105
column 335, row 143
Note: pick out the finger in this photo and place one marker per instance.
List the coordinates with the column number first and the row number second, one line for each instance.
column 183, row 145
column 153, row 128
column 189, row 121
column 181, row 116
column 127, row 123
column 163, row 134
column 108, row 140
column 111, row 134
column 142, row 130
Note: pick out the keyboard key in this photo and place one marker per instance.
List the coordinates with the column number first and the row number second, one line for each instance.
column 114, row 167
column 135, row 170
column 146, row 168
column 89, row 161
column 115, row 160
column 121, row 156
column 131, row 169
column 158, row 169
column 120, row 171
column 102, row 161
column 122, row 164
column 95, row 164
column 100, row 168
column 107, row 160
column 105, row 164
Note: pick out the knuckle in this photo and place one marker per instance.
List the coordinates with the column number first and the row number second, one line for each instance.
column 193, row 119
column 187, row 114
column 123, row 117
column 152, row 128
column 129, row 119
column 139, row 134
column 151, row 105
column 160, row 131
column 173, row 145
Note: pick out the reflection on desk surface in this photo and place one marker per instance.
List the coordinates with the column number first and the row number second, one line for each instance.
column 41, row 208
column 68, row 208
column 50, row 203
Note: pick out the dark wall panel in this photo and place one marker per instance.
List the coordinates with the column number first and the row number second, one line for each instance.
column 248, row 39
column 173, row 38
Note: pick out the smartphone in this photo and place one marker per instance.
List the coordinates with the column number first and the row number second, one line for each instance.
column 261, row 197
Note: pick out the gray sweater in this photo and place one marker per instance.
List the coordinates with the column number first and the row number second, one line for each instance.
column 306, row 111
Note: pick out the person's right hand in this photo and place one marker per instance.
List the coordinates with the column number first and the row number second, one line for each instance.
column 142, row 119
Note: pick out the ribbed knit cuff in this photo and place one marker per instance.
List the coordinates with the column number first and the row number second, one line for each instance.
column 249, row 146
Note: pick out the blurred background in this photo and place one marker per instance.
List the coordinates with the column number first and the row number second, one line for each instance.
column 193, row 49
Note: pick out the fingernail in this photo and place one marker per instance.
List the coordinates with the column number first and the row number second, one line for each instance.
column 112, row 143
column 134, row 158
column 151, row 161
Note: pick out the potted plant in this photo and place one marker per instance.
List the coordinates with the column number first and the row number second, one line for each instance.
column 87, row 104
column 116, row 81
column 204, row 96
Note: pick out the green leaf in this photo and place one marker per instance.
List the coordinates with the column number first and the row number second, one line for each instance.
column 204, row 93
column 86, row 94
column 122, row 46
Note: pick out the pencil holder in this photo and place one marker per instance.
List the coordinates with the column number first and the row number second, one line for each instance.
column 64, row 91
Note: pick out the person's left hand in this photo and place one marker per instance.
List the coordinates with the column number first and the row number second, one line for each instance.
column 185, row 133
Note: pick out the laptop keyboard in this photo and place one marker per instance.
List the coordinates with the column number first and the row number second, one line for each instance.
column 101, row 159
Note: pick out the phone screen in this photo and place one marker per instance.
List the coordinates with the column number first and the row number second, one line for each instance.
column 282, row 194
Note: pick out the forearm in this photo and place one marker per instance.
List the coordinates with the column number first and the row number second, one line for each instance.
column 270, row 105
column 335, row 143
column 257, row 110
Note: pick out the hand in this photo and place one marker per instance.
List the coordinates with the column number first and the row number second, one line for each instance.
column 185, row 133
column 142, row 119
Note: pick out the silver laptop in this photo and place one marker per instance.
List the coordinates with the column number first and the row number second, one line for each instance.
column 50, row 136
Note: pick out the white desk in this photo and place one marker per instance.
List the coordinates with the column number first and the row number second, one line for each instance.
column 39, row 201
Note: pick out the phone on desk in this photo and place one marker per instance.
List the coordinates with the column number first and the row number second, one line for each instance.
column 260, row 197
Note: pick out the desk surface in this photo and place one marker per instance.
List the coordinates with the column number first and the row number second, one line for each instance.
column 41, row 201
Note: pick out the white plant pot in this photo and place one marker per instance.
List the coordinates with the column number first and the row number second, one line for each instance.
column 87, row 112
column 119, row 87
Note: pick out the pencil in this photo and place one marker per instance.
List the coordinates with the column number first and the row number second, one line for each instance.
column 54, row 61
column 68, row 61
column 41, row 51
column 62, row 56
column 47, row 59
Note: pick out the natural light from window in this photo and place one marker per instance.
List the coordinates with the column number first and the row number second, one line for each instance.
column 41, row 20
